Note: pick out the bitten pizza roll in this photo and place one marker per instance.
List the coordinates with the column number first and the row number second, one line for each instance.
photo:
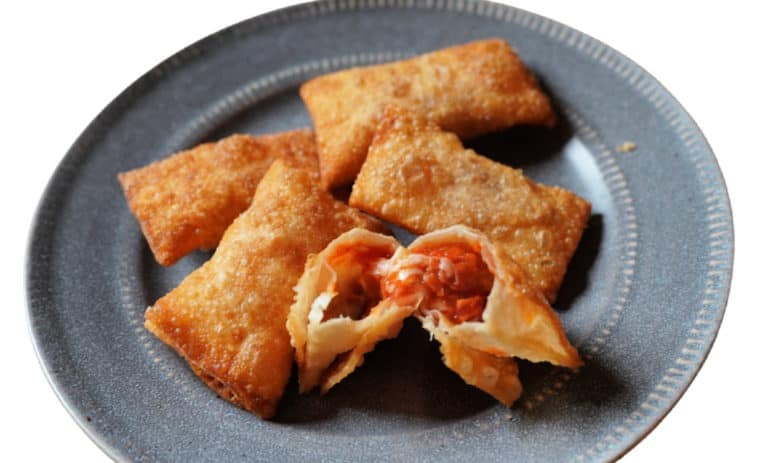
column 227, row 318
column 339, row 314
column 187, row 201
column 423, row 179
column 468, row 289
column 470, row 89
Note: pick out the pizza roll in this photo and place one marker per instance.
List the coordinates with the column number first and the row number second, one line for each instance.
column 422, row 179
column 187, row 201
column 227, row 318
column 469, row 290
column 339, row 314
column 470, row 89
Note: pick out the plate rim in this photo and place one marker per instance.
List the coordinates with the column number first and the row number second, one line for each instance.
column 33, row 287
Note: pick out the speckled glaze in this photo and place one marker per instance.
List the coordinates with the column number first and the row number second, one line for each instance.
column 642, row 300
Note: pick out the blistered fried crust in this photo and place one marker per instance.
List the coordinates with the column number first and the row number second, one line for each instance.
column 187, row 201
column 423, row 179
column 227, row 318
column 496, row 376
column 470, row 89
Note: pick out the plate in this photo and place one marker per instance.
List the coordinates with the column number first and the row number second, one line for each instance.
column 642, row 300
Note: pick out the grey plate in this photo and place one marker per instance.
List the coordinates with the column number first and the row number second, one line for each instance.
column 642, row 300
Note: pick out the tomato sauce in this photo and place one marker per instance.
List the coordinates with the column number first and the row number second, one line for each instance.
column 450, row 278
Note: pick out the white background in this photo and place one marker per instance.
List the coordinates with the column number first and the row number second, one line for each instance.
column 62, row 62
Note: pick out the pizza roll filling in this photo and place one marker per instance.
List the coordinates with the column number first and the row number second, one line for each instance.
column 448, row 278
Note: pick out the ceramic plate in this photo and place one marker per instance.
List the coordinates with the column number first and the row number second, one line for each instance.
column 642, row 300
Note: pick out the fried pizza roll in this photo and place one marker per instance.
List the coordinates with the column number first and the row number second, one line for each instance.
column 227, row 318
column 470, row 89
column 185, row 202
column 466, row 288
column 423, row 179
column 339, row 314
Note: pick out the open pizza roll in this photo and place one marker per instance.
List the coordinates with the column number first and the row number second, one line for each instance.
column 339, row 314
column 468, row 291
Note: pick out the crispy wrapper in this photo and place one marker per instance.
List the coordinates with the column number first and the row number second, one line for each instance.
column 514, row 319
column 187, row 201
column 470, row 89
column 227, row 318
column 423, row 179
column 496, row 376
column 338, row 315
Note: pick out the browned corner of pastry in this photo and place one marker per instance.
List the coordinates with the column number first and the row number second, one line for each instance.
column 127, row 181
column 514, row 77
column 130, row 182
column 306, row 88
column 265, row 408
column 124, row 179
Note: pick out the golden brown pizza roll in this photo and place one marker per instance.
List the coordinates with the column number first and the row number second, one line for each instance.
column 339, row 314
column 185, row 202
column 468, row 89
column 227, row 318
column 422, row 178
column 471, row 291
